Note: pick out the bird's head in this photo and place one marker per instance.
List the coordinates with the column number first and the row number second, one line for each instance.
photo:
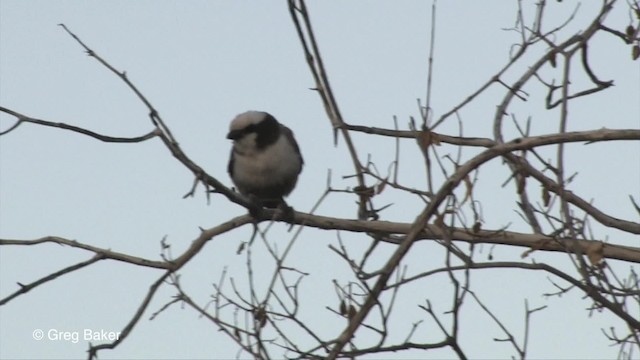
column 253, row 130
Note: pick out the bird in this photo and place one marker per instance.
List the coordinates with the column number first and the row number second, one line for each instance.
column 265, row 158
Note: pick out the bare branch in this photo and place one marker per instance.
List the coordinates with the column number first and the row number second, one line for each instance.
column 26, row 119
column 28, row 287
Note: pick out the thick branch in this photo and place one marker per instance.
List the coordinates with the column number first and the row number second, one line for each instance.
column 433, row 232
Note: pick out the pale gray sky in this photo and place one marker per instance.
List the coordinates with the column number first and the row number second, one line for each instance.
column 201, row 63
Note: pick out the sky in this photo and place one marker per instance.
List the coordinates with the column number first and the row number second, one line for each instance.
column 203, row 62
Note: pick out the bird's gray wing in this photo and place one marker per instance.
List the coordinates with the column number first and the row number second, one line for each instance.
column 289, row 134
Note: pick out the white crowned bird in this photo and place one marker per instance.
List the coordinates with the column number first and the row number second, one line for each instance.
column 265, row 159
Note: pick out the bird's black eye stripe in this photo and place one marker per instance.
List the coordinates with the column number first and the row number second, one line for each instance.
column 268, row 131
column 247, row 130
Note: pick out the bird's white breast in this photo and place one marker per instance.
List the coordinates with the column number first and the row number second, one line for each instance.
column 262, row 167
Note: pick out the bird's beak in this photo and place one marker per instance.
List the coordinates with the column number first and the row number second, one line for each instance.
column 234, row 134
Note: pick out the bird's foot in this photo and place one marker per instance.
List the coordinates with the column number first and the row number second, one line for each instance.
column 286, row 212
column 256, row 209
column 282, row 211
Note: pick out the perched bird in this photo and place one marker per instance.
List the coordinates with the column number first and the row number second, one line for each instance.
column 265, row 158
